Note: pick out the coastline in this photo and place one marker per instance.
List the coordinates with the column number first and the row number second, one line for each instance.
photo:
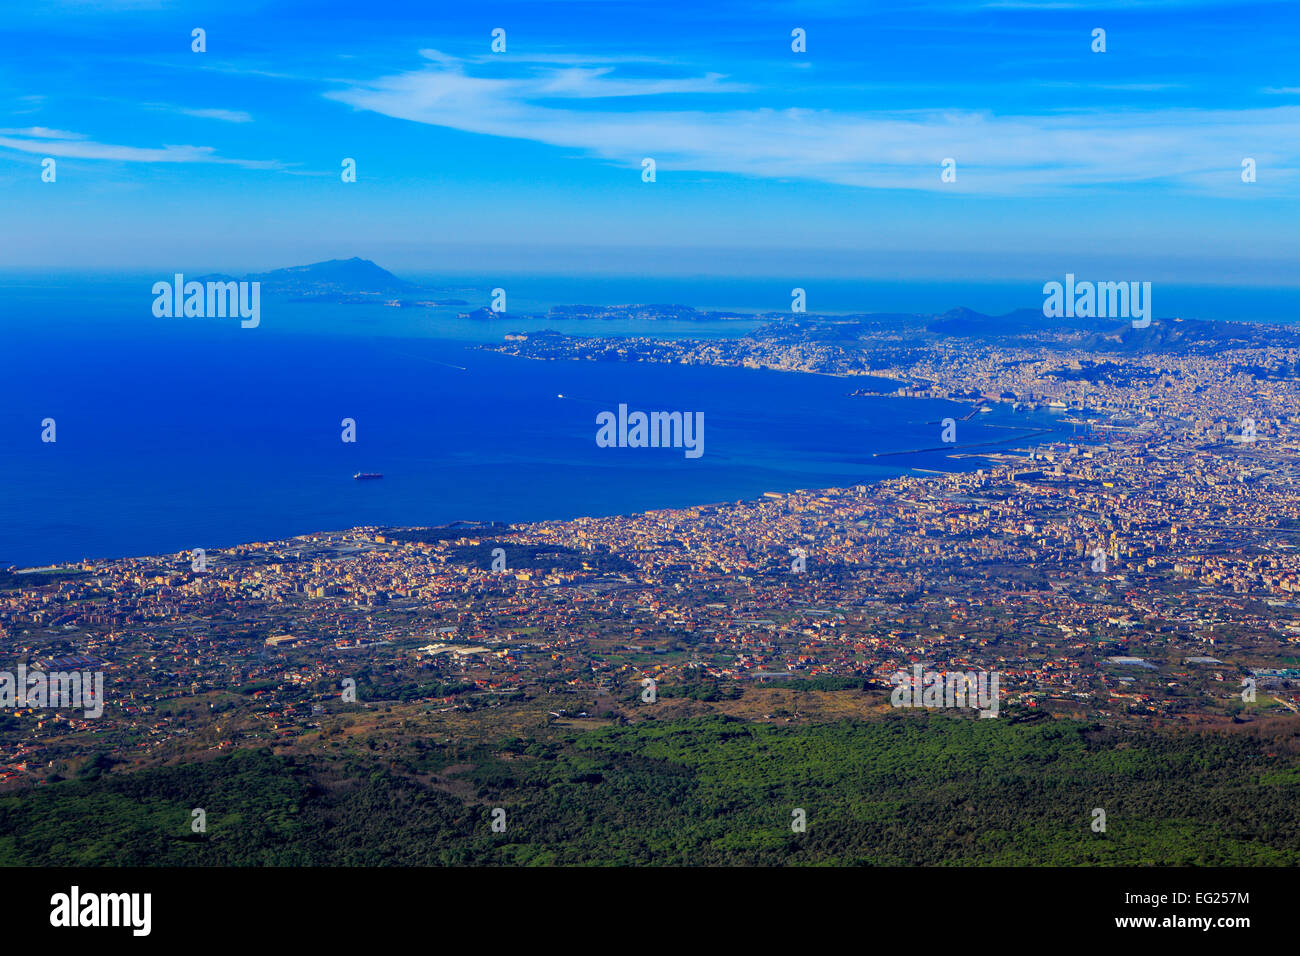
column 524, row 526
column 139, row 497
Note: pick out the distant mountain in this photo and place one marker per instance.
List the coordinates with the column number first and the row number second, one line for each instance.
column 1164, row 335
column 1196, row 336
column 332, row 279
column 906, row 333
column 967, row 322
column 336, row 276
column 962, row 316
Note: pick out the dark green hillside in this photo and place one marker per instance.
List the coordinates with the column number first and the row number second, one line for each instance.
column 903, row 790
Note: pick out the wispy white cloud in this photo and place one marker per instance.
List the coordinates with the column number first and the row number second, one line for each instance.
column 42, row 132
column 897, row 149
column 30, row 104
column 226, row 116
column 63, row 144
column 582, row 83
column 564, row 58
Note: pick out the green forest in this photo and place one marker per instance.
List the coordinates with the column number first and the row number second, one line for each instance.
column 903, row 790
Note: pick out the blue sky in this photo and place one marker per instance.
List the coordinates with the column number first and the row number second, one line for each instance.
column 825, row 162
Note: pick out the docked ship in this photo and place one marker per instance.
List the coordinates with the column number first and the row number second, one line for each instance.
column 362, row 475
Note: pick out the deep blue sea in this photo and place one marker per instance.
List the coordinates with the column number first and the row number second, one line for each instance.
column 174, row 434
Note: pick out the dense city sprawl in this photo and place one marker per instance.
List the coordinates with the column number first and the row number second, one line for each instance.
column 1145, row 572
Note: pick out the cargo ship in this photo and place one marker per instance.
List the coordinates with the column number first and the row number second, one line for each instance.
column 362, row 475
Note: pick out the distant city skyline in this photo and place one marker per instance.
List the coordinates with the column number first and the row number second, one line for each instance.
column 822, row 163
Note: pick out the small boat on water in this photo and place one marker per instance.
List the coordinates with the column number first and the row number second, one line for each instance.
column 363, row 475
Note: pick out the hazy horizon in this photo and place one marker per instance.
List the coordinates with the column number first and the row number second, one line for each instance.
column 820, row 162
